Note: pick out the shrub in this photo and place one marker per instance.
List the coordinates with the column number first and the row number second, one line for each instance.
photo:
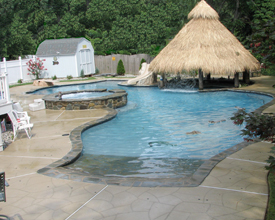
column 270, row 71
column 82, row 73
column 19, row 81
column 120, row 68
column 54, row 77
column 124, row 52
column 100, row 53
column 261, row 126
column 69, row 77
column 35, row 67
column 96, row 70
column 256, row 125
column 141, row 62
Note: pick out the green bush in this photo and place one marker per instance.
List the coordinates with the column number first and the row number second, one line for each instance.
column 82, row 73
column 19, row 81
column 96, row 70
column 124, row 52
column 271, row 203
column 54, row 77
column 69, row 77
column 270, row 71
column 120, row 68
column 100, row 53
column 141, row 62
column 257, row 126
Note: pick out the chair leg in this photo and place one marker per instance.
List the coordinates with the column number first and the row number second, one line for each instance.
column 14, row 133
column 29, row 135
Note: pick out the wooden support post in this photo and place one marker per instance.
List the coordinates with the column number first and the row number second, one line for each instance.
column 200, row 79
column 236, row 80
column 246, row 77
column 155, row 78
column 209, row 76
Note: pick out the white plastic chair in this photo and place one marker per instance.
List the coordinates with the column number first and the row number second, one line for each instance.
column 23, row 116
column 19, row 124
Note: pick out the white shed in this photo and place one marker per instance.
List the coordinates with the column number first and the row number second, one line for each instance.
column 67, row 56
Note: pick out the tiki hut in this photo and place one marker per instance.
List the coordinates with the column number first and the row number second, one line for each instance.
column 205, row 44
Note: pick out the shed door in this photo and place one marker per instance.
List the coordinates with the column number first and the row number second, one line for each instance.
column 86, row 61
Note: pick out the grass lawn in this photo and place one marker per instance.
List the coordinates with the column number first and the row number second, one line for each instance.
column 21, row 84
column 83, row 79
column 270, row 215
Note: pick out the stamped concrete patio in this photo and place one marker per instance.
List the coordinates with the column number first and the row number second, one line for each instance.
column 235, row 189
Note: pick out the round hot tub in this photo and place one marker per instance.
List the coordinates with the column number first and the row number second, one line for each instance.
column 86, row 99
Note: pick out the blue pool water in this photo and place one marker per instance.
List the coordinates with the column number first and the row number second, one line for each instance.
column 55, row 89
column 149, row 137
column 84, row 95
column 155, row 123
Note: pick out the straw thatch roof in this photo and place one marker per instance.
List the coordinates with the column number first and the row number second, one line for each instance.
column 204, row 43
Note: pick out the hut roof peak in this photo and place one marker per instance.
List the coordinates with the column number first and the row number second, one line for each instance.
column 203, row 10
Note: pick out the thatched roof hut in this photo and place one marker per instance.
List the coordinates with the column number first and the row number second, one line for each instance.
column 205, row 44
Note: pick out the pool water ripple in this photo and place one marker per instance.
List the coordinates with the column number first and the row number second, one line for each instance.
column 149, row 137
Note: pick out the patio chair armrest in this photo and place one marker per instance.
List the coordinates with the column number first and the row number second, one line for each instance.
column 22, row 113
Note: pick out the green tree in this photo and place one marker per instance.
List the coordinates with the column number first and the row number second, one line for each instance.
column 20, row 40
column 263, row 32
column 119, row 26
column 101, row 13
column 120, row 68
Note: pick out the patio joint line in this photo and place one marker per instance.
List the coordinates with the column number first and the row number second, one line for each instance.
column 20, row 176
column 234, row 190
column 252, row 161
column 48, row 158
column 86, row 202
column 48, row 136
column 59, row 115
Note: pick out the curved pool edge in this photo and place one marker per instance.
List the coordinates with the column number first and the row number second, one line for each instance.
column 76, row 142
column 58, row 170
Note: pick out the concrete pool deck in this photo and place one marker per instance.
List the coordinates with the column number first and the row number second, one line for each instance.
column 235, row 189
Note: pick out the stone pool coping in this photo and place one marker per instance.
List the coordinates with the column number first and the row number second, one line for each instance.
column 58, row 170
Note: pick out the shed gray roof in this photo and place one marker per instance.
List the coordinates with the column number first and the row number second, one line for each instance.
column 66, row 46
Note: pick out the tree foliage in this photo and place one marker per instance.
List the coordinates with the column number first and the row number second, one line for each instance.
column 126, row 26
column 263, row 36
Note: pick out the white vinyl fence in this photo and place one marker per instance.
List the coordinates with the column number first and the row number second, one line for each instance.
column 16, row 70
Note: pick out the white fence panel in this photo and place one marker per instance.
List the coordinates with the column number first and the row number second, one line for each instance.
column 16, row 69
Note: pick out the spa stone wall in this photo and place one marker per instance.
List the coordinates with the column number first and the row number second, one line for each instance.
column 116, row 99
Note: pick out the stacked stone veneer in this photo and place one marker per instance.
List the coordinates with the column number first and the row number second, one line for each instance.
column 114, row 99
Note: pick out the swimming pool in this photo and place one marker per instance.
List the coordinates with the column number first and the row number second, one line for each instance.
column 153, row 136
